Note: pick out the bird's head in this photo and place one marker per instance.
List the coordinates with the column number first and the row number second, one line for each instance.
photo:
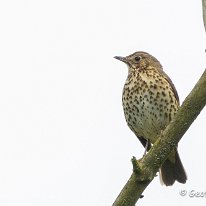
column 139, row 61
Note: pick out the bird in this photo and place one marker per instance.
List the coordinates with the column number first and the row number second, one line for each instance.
column 150, row 101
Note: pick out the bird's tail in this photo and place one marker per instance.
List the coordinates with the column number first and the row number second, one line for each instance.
column 172, row 170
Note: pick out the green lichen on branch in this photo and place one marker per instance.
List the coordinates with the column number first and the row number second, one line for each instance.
column 141, row 171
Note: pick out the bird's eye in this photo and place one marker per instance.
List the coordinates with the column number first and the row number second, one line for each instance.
column 137, row 58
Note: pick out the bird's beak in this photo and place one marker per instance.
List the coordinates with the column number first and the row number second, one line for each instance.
column 123, row 59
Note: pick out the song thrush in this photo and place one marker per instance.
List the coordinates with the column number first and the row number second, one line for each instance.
column 150, row 101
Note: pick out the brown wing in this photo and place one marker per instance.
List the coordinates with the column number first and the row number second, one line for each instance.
column 170, row 82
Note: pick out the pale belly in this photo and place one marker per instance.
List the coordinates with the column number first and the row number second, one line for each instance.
column 148, row 107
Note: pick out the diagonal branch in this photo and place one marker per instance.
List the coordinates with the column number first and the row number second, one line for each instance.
column 144, row 170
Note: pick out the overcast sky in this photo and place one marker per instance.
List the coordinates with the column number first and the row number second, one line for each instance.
column 63, row 137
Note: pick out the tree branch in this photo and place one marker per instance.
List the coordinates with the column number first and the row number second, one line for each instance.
column 204, row 12
column 147, row 167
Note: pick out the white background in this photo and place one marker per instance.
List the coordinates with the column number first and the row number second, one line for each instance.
column 63, row 137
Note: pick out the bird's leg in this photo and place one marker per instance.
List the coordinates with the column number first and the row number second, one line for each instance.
column 146, row 147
